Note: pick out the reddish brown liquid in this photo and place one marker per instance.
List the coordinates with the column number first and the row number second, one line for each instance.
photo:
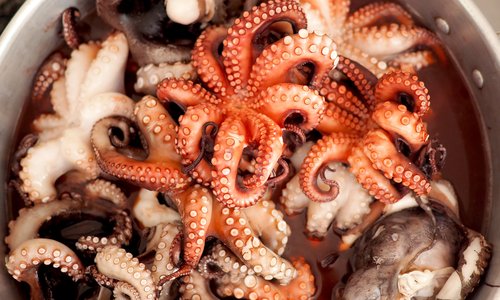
column 454, row 120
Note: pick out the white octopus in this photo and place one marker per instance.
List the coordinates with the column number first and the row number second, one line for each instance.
column 90, row 89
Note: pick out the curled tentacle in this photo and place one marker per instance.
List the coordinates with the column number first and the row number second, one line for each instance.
column 239, row 46
column 184, row 93
column 115, row 263
column 208, row 61
column 338, row 147
column 23, row 262
column 379, row 148
column 70, row 17
column 198, row 128
column 286, row 101
column 258, row 132
column 403, row 88
column 274, row 64
column 161, row 169
column 51, row 70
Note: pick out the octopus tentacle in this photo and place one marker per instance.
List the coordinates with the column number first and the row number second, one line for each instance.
column 265, row 136
column 334, row 147
column 150, row 75
column 106, row 71
column 340, row 94
column 23, row 262
column 51, row 70
column 104, row 189
column 379, row 148
column 374, row 182
column 326, row 16
column 241, row 282
column 27, row 224
column 394, row 84
column 412, row 61
column 275, row 62
column 360, row 77
column 163, row 263
column 398, row 121
column 278, row 103
column 161, row 170
column 125, row 291
column 239, row 51
column 233, row 228
column 371, row 14
column 115, row 263
column 273, row 230
column 336, row 119
column 208, row 61
column 195, row 208
column 121, row 235
column 69, row 18
column 184, row 93
column 401, row 39
column 192, row 128
column 194, row 286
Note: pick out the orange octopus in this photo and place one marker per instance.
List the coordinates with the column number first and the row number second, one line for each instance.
column 376, row 137
column 232, row 136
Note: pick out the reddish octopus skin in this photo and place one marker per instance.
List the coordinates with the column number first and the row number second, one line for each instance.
column 161, row 170
column 370, row 150
column 202, row 217
column 242, row 95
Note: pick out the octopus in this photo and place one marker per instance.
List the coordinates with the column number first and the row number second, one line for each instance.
column 199, row 214
column 411, row 254
column 90, row 89
column 379, row 149
column 380, row 36
column 257, row 91
column 233, row 279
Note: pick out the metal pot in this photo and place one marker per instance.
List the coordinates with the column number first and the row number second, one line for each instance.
column 474, row 48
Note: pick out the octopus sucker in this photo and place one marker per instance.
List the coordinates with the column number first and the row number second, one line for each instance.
column 233, row 280
column 160, row 170
column 86, row 96
column 378, row 35
column 50, row 71
column 23, row 262
column 115, row 263
column 257, row 246
column 243, row 35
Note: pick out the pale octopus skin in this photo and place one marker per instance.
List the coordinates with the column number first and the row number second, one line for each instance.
column 346, row 211
column 380, row 36
column 95, row 194
column 89, row 90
